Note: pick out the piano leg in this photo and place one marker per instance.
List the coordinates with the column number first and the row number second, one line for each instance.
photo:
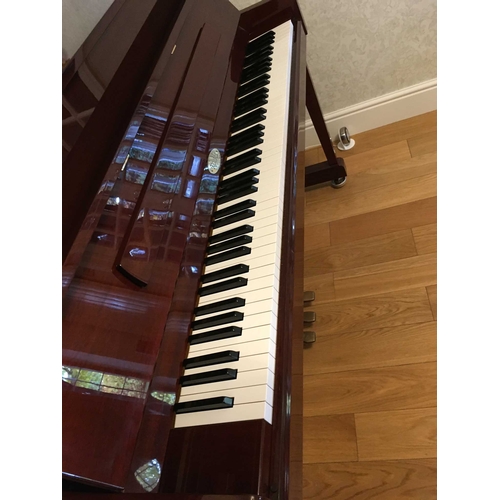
column 333, row 169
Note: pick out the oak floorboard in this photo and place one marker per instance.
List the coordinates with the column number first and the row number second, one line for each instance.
column 423, row 144
column 404, row 307
column 389, row 220
column 432, row 293
column 401, row 434
column 374, row 250
column 371, row 390
column 316, row 236
column 374, row 348
column 402, row 274
column 376, row 176
column 371, row 200
column 330, row 438
column 394, row 152
column 425, row 238
column 377, row 480
column 322, row 286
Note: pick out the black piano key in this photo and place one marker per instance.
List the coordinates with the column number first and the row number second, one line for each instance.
column 260, row 60
column 218, row 403
column 233, row 188
column 251, row 172
column 254, row 71
column 243, row 146
column 249, row 161
column 211, row 359
column 221, row 305
column 230, row 197
column 220, row 319
column 237, row 207
column 226, row 245
column 244, row 214
column 227, row 332
column 258, row 43
column 256, row 116
column 230, row 254
column 254, row 84
column 246, row 134
column 258, row 56
column 225, row 273
column 242, row 110
column 250, row 106
column 224, row 285
column 232, row 233
column 241, row 159
column 250, row 102
column 208, row 377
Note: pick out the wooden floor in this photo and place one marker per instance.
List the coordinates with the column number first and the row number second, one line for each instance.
column 370, row 378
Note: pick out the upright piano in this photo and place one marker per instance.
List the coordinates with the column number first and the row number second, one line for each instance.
column 183, row 201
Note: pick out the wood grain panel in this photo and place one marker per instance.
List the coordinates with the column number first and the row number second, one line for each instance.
column 378, row 249
column 432, row 293
column 385, row 155
column 425, row 238
column 316, row 236
column 322, row 285
column 418, row 271
column 403, row 434
column 372, row 389
column 378, row 480
column 376, row 176
column 330, row 438
column 335, row 352
column 423, row 144
column 371, row 200
column 404, row 307
column 405, row 216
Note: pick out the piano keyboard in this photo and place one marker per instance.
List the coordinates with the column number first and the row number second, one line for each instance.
column 229, row 370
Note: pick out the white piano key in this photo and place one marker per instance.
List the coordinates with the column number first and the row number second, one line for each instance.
column 250, row 297
column 249, row 335
column 252, row 321
column 257, row 284
column 248, row 411
column 248, row 348
column 244, row 364
column 244, row 379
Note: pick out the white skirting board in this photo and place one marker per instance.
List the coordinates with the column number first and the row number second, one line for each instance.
column 367, row 115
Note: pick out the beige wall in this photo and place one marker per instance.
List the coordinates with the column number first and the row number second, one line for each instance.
column 79, row 18
column 358, row 50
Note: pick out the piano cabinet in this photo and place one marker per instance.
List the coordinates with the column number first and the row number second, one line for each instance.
column 138, row 198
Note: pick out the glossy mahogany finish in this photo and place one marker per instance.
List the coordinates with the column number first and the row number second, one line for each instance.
column 101, row 88
column 221, row 459
column 110, row 328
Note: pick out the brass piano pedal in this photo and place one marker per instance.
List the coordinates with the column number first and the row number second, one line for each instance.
column 309, row 337
column 309, row 296
column 309, row 317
